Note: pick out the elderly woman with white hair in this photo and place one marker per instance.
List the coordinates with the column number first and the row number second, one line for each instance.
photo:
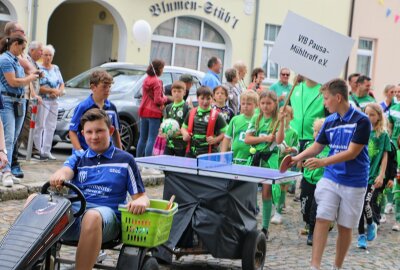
column 51, row 87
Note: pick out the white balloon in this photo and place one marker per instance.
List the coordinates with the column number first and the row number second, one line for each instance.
column 141, row 32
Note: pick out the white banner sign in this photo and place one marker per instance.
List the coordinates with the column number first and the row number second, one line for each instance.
column 310, row 49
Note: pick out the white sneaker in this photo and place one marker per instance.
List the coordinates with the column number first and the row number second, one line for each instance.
column 16, row 180
column 51, row 157
column 276, row 219
column 396, row 227
column 383, row 219
column 389, row 208
column 7, row 179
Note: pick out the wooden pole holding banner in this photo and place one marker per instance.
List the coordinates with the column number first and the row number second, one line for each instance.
column 286, row 103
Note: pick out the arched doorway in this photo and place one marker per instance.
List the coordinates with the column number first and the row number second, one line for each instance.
column 187, row 42
column 6, row 14
column 95, row 34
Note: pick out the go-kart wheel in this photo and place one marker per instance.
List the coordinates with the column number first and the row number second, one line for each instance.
column 150, row 263
column 254, row 250
column 78, row 196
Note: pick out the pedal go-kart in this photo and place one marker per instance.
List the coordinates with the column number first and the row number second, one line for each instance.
column 33, row 241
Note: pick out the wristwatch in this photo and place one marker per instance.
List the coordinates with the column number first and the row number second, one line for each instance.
column 3, row 151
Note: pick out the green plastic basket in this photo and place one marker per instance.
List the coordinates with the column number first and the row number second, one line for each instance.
column 150, row 229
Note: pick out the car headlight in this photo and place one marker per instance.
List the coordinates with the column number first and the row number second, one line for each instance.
column 70, row 113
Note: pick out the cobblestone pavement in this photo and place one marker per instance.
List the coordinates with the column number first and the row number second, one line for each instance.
column 286, row 250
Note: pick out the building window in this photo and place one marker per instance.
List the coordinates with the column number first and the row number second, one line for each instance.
column 5, row 17
column 271, row 69
column 187, row 42
column 365, row 56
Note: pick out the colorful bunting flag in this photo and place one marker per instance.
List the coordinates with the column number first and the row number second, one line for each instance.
column 388, row 12
column 396, row 18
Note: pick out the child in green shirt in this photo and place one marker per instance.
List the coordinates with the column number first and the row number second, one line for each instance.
column 178, row 111
column 289, row 146
column 396, row 191
column 311, row 177
column 259, row 134
column 236, row 132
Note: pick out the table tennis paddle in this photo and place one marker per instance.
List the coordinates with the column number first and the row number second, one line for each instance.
column 285, row 164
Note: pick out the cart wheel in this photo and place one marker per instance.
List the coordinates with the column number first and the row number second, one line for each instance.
column 150, row 263
column 254, row 249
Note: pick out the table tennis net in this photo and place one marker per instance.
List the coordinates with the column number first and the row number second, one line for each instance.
column 207, row 161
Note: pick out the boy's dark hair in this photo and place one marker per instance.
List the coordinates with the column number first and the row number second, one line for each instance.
column 178, row 85
column 363, row 78
column 156, row 66
column 94, row 115
column 212, row 61
column 204, row 91
column 337, row 86
column 255, row 72
column 220, row 87
column 100, row 76
column 352, row 75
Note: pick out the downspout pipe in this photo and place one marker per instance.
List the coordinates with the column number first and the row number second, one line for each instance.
column 350, row 32
column 34, row 19
column 253, row 54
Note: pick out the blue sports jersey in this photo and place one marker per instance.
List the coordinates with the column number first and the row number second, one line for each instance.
column 86, row 105
column 338, row 132
column 105, row 179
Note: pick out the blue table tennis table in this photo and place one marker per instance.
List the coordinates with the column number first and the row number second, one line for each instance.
column 217, row 165
column 217, row 206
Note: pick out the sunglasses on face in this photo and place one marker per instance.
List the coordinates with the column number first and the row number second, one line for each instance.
column 285, row 74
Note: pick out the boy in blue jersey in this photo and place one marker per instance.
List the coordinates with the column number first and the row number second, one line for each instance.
column 340, row 193
column 104, row 174
column 100, row 84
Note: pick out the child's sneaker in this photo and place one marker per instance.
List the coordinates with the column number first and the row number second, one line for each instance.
column 266, row 233
column 362, row 241
column 7, row 179
column 309, row 239
column 276, row 219
column 396, row 227
column 389, row 208
column 371, row 231
column 383, row 219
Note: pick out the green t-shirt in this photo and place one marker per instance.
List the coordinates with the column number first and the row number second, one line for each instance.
column 177, row 111
column 291, row 140
column 308, row 105
column 361, row 102
column 313, row 176
column 264, row 128
column 236, row 132
column 376, row 147
column 280, row 89
column 198, row 143
column 394, row 119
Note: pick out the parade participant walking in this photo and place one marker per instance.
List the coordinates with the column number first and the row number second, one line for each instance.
column 257, row 77
column 340, row 193
column 150, row 109
column 259, row 134
column 12, row 83
column 220, row 96
column 211, row 79
column 204, row 127
column 282, row 87
column 361, row 97
column 51, row 88
column 388, row 102
column 100, row 83
column 236, row 132
column 178, row 111
column 352, row 80
column 378, row 148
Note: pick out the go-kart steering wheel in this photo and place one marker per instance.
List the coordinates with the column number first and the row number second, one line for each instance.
column 78, row 196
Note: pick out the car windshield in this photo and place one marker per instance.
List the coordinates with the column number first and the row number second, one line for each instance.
column 123, row 78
